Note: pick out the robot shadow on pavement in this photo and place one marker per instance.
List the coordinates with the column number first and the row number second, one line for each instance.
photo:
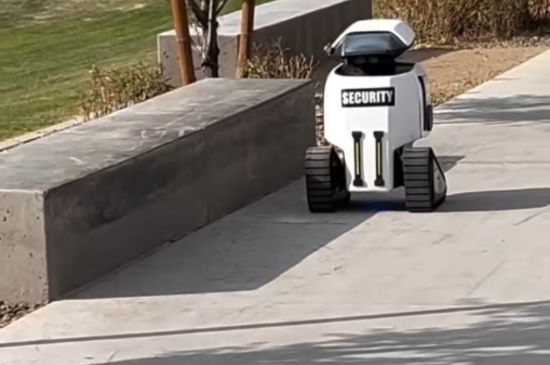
column 375, row 108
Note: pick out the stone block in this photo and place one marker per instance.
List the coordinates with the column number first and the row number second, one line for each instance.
column 81, row 202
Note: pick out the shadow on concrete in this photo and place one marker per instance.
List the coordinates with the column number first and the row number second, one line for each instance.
column 493, row 313
column 488, row 201
column 520, row 108
column 245, row 250
column 502, row 338
column 505, row 334
column 449, row 162
column 241, row 252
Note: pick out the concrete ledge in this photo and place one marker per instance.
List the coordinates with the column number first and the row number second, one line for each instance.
column 77, row 204
column 305, row 26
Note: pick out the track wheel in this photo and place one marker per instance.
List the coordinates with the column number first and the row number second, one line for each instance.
column 325, row 179
column 425, row 184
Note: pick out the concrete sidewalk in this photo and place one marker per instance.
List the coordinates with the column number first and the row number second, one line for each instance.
column 273, row 284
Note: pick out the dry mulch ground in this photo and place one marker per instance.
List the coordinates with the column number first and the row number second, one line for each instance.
column 453, row 72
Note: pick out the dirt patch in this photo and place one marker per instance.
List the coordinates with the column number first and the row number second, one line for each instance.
column 456, row 71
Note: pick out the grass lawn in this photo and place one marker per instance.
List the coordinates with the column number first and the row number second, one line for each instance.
column 47, row 47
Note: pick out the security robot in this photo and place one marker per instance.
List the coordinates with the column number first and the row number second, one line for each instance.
column 375, row 108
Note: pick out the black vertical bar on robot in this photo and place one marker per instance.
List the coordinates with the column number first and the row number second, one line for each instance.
column 427, row 123
column 379, row 159
column 358, row 181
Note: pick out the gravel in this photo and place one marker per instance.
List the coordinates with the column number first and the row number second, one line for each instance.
column 12, row 312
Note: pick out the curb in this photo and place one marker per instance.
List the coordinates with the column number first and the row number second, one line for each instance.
column 29, row 137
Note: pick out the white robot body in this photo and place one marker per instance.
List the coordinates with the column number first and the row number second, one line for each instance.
column 388, row 111
column 375, row 108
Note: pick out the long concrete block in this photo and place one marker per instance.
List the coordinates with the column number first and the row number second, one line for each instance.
column 81, row 202
column 304, row 26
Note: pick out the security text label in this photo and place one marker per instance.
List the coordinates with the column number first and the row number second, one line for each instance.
column 368, row 97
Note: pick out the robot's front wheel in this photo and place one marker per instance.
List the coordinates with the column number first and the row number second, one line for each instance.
column 325, row 179
column 425, row 184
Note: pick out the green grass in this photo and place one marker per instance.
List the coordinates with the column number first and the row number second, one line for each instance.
column 47, row 47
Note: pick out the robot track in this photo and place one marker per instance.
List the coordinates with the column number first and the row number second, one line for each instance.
column 325, row 179
column 424, row 180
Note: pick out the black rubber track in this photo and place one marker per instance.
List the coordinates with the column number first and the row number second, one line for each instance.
column 418, row 174
column 323, row 172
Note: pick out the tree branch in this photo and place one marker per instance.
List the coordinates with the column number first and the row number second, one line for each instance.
column 221, row 5
column 202, row 17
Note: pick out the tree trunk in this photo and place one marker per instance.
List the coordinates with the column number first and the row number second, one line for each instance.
column 183, row 39
column 245, row 39
column 211, row 50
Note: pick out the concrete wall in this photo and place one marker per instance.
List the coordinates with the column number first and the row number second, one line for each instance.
column 305, row 26
column 81, row 202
